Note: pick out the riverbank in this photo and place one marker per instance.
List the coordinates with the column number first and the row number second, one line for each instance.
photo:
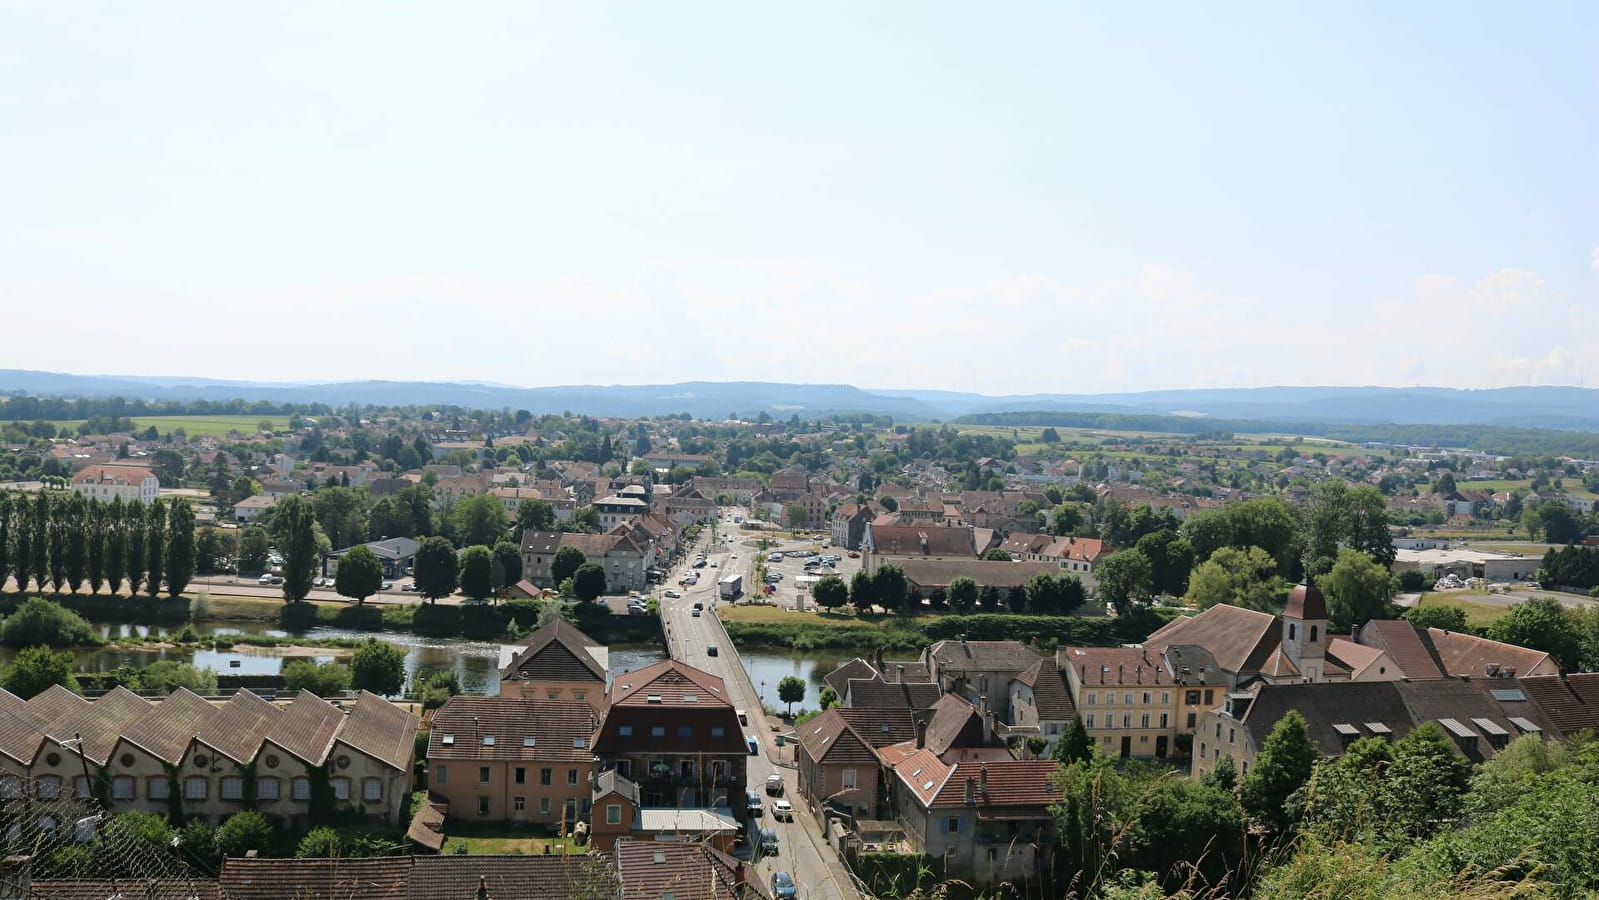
column 772, row 627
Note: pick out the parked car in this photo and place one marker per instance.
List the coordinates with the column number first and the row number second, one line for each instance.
column 673, row 594
column 783, row 886
column 264, row 579
column 755, row 749
column 854, row 554
column 782, row 811
column 409, row 587
column 774, row 785
column 768, row 841
column 388, row 585
column 754, row 803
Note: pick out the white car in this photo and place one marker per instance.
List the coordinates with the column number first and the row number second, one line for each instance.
column 673, row 594
column 782, row 810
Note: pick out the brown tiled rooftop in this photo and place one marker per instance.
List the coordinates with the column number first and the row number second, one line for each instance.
column 553, row 726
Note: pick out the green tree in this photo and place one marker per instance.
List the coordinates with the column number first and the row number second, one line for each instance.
column 890, row 587
column 507, row 565
column 341, row 512
column 39, row 540
column 1223, row 776
column 359, row 574
column 390, row 517
column 242, row 832
column 116, row 545
column 566, row 563
column 830, row 592
column 436, row 571
column 1445, row 485
column 254, row 544
column 862, row 591
column 963, row 593
column 77, row 525
column 1126, row 580
column 1054, row 594
column 155, row 550
column 1541, row 623
column 588, row 582
column 1074, row 744
column 480, row 520
column 21, row 535
column 997, row 554
column 180, row 558
column 1446, row 617
column 60, row 528
column 1283, row 766
column 477, row 572
column 798, row 516
column 37, row 668
column 294, row 529
column 378, row 667
column 1065, row 519
column 585, row 521
column 325, row 680
column 1424, row 785
column 94, row 562
column 791, row 690
column 167, row 675
column 41, row 622
column 1553, row 522
column 1246, row 578
column 535, row 515
column 322, row 842
column 828, row 698
column 1358, row 590
column 5, row 535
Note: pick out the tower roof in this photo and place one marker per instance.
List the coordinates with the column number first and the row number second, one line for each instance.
column 1305, row 602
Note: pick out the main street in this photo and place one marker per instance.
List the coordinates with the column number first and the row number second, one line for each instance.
column 802, row 852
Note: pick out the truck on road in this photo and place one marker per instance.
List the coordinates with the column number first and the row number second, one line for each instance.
column 731, row 586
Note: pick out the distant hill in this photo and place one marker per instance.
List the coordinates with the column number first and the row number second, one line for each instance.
column 1566, row 408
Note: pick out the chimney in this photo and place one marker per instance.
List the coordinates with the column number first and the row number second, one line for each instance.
column 1118, row 673
column 1138, row 673
column 982, row 776
column 1354, row 634
column 482, row 887
column 921, row 734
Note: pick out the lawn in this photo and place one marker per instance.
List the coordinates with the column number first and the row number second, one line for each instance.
column 504, row 838
column 774, row 615
column 1479, row 615
column 217, row 426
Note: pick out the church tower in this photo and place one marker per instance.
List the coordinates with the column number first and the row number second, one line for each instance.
column 1305, row 631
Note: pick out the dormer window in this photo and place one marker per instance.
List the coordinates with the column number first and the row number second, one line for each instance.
column 1313, row 634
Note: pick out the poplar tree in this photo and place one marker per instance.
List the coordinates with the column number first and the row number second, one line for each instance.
column 94, row 545
column 22, row 552
column 39, row 539
column 294, row 528
column 60, row 526
column 5, row 537
column 180, row 547
column 77, row 525
column 116, row 545
column 155, row 547
column 133, row 557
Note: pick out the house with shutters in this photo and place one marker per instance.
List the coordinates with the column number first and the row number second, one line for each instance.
column 509, row 759
column 126, row 483
column 837, row 757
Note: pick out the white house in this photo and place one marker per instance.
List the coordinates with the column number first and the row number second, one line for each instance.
column 107, row 483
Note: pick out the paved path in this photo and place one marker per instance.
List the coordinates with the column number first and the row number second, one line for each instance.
column 803, row 852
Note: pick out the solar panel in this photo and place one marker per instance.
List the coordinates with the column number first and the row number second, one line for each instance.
column 1378, row 728
column 1455, row 728
column 1346, row 729
column 1488, row 726
column 1508, row 695
column 1526, row 726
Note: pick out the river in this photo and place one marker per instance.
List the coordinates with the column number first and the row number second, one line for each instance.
column 768, row 666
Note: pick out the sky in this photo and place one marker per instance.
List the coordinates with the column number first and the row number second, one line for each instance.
column 1011, row 198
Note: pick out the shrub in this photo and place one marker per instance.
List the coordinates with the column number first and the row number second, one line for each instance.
column 38, row 622
column 323, row 680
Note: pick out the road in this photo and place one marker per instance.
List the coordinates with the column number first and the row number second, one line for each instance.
column 803, row 853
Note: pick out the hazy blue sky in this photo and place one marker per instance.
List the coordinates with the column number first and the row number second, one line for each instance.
column 998, row 197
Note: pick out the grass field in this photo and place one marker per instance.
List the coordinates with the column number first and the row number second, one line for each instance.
column 1479, row 615
column 773, row 615
column 193, row 426
column 503, row 838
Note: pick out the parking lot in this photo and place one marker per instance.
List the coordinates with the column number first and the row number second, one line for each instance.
column 790, row 590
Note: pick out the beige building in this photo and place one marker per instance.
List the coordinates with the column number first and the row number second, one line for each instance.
column 506, row 759
column 127, row 483
column 1127, row 698
column 556, row 662
column 190, row 758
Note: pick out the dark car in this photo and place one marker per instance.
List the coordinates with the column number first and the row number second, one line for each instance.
column 755, row 749
column 753, row 803
column 768, row 841
column 783, row 886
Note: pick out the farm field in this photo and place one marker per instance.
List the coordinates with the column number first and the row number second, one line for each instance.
column 217, row 426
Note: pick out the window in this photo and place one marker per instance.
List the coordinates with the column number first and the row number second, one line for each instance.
column 1088, row 721
column 519, row 804
column 482, row 806
column 371, row 790
column 488, row 739
column 48, row 786
column 657, row 731
column 158, row 787
column 848, row 779
column 195, row 787
column 443, row 771
column 1165, row 698
column 554, row 695
column 341, row 788
column 300, row 789
column 1143, row 721
column 267, row 788
column 529, row 740
column 122, row 787
column 1293, row 631
column 685, row 731
column 1093, row 699
column 1232, row 735
column 1163, row 719
column 1147, row 697
column 1201, row 749
column 613, row 813
column 1191, row 698
column 81, row 787
column 1313, row 634
column 571, row 777
column 1127, row 698
column 1210, row 696
column 579, row 695
column 952, row 824
column 1192, row 721
column 718, row 731
column 233, row 788
column 1218, row 731
column 545, row 776
column 482, row 774
column 624, row 731
column 544, row 806
column 10, row 787
column 520, row 775
column 1127, row 720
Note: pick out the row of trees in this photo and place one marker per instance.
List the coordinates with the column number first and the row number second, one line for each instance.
column 61, row 542
column 1570, row 567
column 1046, row 594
